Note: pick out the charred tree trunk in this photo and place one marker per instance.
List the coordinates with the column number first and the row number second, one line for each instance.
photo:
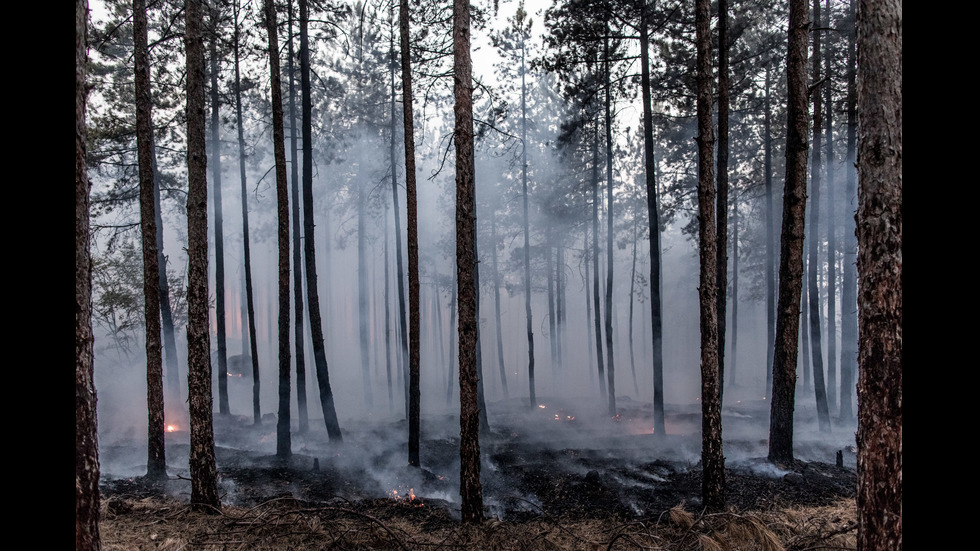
column 470, row 488
column 791, row 241
column 392, row 164
column 283, row 438
column 610, row 367
column 770, row 241
column 313, row 298
column 653, row 219
column 849, row 321
column 299, row 335
column 724, row 91
column 414, row 356
column 831, row 236
column 813, row 266
column 87, row 500
column 219, row 236
column 879, row 435
column 636, row 386
column 249, row 297
column 550, row 271
column 588, row 301
column 731, row 377
column 496, row 304
column 204, row 473
column 595, row 262
column 712, row 458
column 532, row 402
column 156, row 463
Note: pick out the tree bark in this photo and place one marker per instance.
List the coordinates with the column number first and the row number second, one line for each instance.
column 724, row 91
column 204, row 474
column 470, row 489
column 791, row 241
column 712, row 458
column 414, row 355
column 156, row 463
column 87, row 499
column 879, row 435
column 283, row 437
column 313, row 297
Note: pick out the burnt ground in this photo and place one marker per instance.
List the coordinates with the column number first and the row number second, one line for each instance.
column 558, row 461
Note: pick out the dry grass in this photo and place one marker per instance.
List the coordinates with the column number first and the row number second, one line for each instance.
column 167, row 525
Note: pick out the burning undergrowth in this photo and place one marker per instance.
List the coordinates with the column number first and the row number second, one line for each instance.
column 581, row 467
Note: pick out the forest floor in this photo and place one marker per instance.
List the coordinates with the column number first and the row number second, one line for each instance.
column 554, row 478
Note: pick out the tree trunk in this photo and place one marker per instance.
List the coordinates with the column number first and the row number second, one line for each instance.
column 470, row 488
column 791, row 241
column 299, row 335
column 249, row 297
column 610, row 367
column 712, row 458
column 724, row 91
column 595, row 262
column 87, row 499
column 879, row 435
column 156, row 463
column 813, row 265
column 414, row 355
column 588, row 301
column 653, row 219
column 550, row 271
column 636, row 386
column 219, row 236
column 496, row 304
column 283, row 438
column 313, row 298
column 731, row 382
column 204, row 473
column 532, row 401
column 831, row 237
column 849, row 322
column 770, row 242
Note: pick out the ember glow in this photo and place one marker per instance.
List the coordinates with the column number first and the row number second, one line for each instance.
column 171, row 428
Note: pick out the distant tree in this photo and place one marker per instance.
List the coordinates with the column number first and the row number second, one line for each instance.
column 470, row 489
column 791, row 241
column 712, row 458
column 283, row 438
column 156, row 464
column 879, row 436
column 87, row 499
column 204, row 474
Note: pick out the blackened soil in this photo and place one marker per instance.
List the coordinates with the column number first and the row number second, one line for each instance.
column 571, row 470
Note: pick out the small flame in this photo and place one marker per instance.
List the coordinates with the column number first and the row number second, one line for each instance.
column 171, row 428
column 541, row 406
